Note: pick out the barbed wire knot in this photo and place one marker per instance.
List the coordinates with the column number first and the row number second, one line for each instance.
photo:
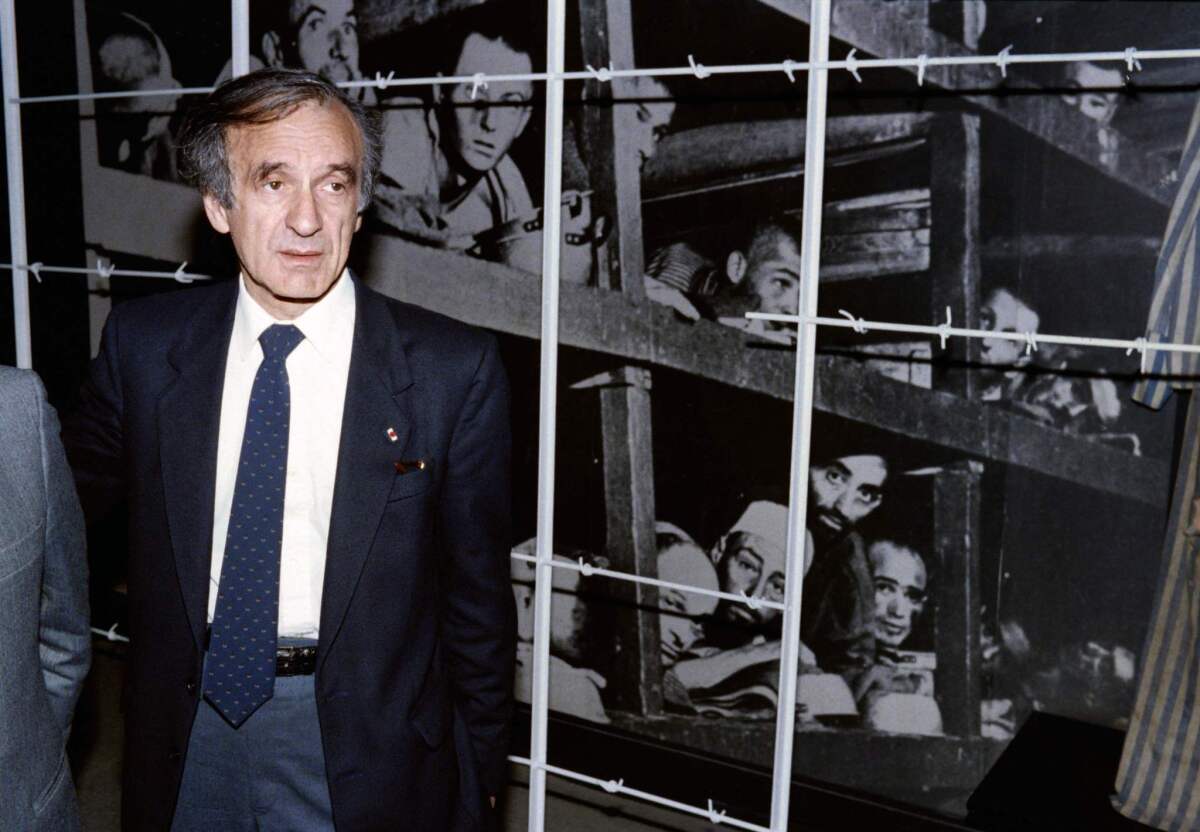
column 1002, row 60
column 852, row 65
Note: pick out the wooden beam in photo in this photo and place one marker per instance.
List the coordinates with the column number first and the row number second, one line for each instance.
column 956, row 517
column 607, row 135
column 924, row 768
column 1098, row 246
column 954, row 265
column 501, row 298
column 901, row 30
column 635, row 683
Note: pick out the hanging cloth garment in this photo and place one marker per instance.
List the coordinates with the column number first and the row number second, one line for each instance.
column 1175, row 309
column 1158, row 782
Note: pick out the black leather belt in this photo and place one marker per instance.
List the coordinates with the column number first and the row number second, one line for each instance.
column 294, row 660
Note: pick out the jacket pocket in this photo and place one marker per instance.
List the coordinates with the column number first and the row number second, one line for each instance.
column 412, row 482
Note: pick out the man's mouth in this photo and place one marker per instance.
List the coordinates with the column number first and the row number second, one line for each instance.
column 486, row 148
column 893, row 630
column 301, row 257
column 338, row 71
column 832, row 521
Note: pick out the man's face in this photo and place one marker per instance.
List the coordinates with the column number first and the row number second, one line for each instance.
column 773, row 274
column 753, row 566
column 843, row 493
column 131, row 63
column 654, row 113
column 295, row 204
column 899, row 579
column 679, row 624
column 568, row 612
column 568, row 616
column 477, row 133
column 1093, row 99
column 326, row 37
column 1004, row 313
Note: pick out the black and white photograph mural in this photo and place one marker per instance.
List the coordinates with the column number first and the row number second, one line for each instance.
column 984, row 517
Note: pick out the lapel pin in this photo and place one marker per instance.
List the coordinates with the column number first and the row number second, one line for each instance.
column 403, row 466
column 391, row 434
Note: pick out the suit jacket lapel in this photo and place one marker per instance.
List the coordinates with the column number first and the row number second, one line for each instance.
column 189, row 414
column 376, row 400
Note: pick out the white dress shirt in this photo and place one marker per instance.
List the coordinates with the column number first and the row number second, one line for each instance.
column 317, row 373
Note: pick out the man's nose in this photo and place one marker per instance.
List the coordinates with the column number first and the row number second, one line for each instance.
column 303, row 216
column 485, row 117
column 337, row 45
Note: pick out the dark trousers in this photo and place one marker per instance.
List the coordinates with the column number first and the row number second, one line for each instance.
column 267, row 775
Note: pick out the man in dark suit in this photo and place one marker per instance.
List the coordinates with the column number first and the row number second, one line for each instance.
column 317, row 479
column 45, row 644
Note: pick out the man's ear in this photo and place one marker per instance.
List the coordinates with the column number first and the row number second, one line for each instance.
column 272, row 50
column 358, row 220
column 218, row 215
column 735, row 267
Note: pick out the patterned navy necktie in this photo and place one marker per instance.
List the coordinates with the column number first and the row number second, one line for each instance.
column 240, row 673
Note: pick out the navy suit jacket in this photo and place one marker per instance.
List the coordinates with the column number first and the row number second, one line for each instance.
column 417, row 632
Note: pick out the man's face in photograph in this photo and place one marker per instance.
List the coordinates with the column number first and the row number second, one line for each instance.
column 655, row 109
column 1003, row 312
column 478, row 132
column 326, row 37
column 898, row 576
column 844, row 492
column 773, row 274
column 754, row 566
column 1097, row 97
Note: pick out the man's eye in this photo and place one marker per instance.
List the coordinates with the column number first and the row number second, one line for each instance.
column 337, row 187
column 833, row 476
column 273, row 184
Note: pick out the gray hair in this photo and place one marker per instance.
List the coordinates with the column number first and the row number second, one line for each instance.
column 263, row 97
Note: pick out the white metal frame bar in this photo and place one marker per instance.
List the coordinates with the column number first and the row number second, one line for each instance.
column 810, row 256
column 39, row 269
column 1130, row 56
column 14, row 158
column 752, row 601
column 548, row 413
column 239, row 30
column 619, row 787
column 1142, row 345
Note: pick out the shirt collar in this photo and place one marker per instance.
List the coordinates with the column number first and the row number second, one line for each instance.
column 328, row 324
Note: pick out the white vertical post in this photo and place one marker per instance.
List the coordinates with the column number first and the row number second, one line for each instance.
column 16, row 183
column 810, row 253
column 240, row 59
column 551, row 239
